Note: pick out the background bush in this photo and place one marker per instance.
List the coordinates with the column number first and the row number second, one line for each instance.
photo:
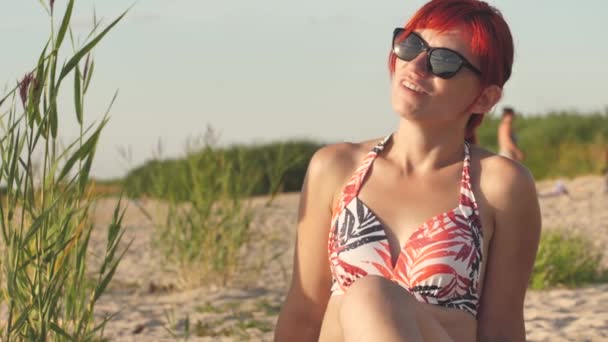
column 209, row 215
column 278, row 167
column 566, row 260
column 564, row 144
column 557, row 144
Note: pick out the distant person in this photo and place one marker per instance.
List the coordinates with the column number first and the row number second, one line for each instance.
column 507, row 139
column 558, row 189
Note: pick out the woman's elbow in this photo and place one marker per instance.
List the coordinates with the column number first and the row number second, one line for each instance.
column 502, row 334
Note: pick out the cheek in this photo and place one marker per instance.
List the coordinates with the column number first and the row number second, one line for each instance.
column 395, row 95
column 459, row 93
column 399, row 64
column 394, row 83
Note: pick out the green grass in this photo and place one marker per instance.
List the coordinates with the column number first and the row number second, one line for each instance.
column 268, row 308
column 209, row 213
column 46, row 286
column 208, row 308
column 235, row 321
column 254, row 324
column 566, row 260
column 556, row 144
column 275, row 167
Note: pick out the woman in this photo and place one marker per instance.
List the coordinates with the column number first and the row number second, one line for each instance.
column 507, row 141
column 420, row 235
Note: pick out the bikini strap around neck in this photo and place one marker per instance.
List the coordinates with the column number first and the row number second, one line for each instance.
column 351, row 189
column 468, row 204
column 359, row 175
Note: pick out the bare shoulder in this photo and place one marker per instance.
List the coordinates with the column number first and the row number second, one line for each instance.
column 503, row 180
column 333, row 164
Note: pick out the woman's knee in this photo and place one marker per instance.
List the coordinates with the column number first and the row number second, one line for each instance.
column 375, row 291
column 377, row 304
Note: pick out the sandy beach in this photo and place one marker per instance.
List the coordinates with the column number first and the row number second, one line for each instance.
column 150, row 299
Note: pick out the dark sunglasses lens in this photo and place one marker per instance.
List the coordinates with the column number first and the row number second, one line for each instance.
column 444, row 63
column 408, row 48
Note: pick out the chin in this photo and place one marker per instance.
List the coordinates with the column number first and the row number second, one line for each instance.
column 407, row 111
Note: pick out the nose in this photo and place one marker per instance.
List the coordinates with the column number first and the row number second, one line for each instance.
column 420, row 63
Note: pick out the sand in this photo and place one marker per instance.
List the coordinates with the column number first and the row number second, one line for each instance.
column 149, row 299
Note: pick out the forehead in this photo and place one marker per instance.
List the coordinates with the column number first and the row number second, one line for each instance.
column 457, row 39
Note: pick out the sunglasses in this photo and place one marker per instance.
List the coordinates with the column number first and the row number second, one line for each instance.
column 442, row 62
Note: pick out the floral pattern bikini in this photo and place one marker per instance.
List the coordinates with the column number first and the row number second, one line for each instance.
column 439, row 264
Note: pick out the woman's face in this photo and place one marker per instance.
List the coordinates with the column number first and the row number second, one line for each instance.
column 419, row 95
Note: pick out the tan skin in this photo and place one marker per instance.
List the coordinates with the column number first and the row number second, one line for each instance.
column 416, row 177
column 505, row 138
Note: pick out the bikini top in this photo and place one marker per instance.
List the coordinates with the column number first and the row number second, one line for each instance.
column 439, row 264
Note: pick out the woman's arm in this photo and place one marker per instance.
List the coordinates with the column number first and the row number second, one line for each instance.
column 302, row 312
column 512, row 196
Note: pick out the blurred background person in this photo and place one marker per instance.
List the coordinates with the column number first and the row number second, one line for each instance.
column 507, row 139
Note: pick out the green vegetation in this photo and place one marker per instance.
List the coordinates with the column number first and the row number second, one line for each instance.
column 234, row 320
column 557, row 144
column 45, row 286
column 566, row 260
column 209, row 214
column 273, row 167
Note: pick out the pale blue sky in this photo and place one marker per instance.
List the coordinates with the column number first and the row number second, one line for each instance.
column 267, row 70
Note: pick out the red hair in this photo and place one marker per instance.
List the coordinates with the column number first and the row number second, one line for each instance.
column 491, row 40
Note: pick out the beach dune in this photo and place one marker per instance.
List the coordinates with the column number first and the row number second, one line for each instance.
column 149, row 300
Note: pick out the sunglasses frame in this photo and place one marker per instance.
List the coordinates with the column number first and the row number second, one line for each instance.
column 426, row 48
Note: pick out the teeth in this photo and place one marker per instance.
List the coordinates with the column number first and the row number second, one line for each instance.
column 413, row 87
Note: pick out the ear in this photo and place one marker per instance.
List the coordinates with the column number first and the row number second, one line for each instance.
column 488, row 98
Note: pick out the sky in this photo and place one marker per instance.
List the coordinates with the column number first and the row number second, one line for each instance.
column 271, row 70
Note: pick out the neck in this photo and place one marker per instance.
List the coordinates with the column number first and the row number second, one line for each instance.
column 425, row 149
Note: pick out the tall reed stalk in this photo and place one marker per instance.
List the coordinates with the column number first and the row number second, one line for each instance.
column 46, row 290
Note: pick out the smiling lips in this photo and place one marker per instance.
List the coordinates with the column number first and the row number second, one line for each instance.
column 413, row 87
